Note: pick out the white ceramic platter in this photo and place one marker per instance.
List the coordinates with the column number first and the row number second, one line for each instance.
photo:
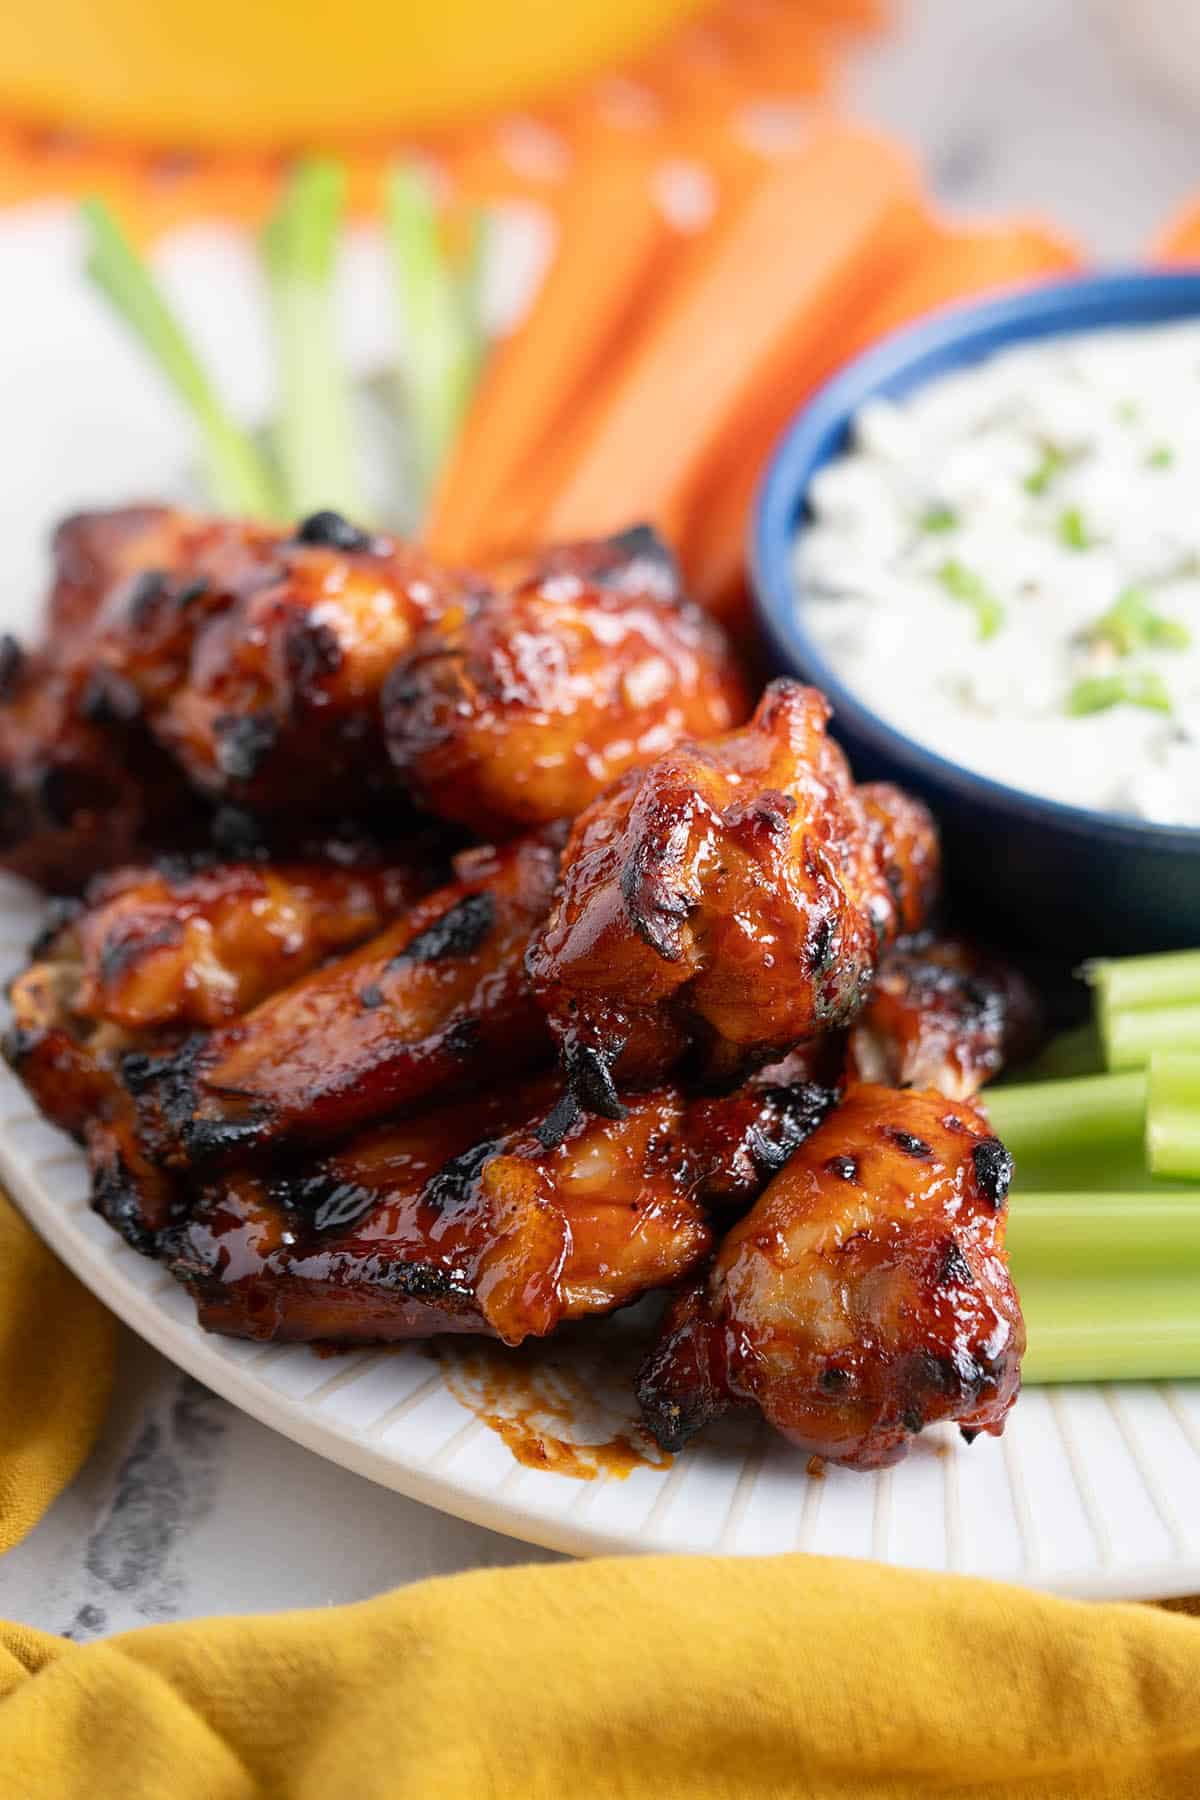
column 1093, row 1491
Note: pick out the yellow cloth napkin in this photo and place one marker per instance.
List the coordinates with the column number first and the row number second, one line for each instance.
column 56, row 1364
column 656, row 1677
column 650, row 1678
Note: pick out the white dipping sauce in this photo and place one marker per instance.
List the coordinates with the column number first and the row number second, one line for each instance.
column 1006, row 567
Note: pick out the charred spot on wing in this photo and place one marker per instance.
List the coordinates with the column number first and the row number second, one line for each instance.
column 18, row 1045
column 329, row 1203
column 845, row 1168
column 463, row 1036
column 993, row 1171
column 109, row 699
column 558, row 1121
column 909, row 1144
column 120, row 950
column 60, row 912
column 312, row 650
column 954, row 1270
column 139, row 1071
column 208, row 1140
column 456, row 1179
column 822, row 942
column 237, row 835
column 653, row 909
column 638, row 553
column 13, row 661
column 794, row 1114
column 329, row 530
column 419, row 1281
column 459, row 932
column 144, row 595
column 115, row 1197
column 590, row 1079
column 243, row 742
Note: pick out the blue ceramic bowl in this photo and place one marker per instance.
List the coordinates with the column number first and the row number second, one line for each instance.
column 1040, row 873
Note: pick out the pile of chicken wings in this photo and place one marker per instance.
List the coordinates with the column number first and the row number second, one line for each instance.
column 435, row 952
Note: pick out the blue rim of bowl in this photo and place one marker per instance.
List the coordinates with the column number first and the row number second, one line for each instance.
column 948, row 339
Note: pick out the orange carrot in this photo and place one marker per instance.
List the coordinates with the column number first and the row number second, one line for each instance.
column 964, row 263
column 773, row 285
column 614, row 237
column 1180, row 241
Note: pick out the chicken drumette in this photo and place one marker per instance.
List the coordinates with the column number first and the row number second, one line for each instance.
column 521, row 706
column 946, row 1015
column 864, row 1295
column 730, row 899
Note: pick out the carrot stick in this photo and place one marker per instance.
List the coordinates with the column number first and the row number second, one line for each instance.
column 614, row 237
column 774, row 283
column 964, row 263
column 1179, row 242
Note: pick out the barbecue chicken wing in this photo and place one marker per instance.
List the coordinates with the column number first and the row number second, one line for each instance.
column 519, row 708
column 503, row 1216
column 432, row 1007
column 116, row 982
column 864, row 1296
column 944, row 1015
column 155, row 951
column 731, row 898
column 254, row 657
column 83, row 786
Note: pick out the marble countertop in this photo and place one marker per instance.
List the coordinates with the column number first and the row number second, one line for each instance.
column 187, row 1506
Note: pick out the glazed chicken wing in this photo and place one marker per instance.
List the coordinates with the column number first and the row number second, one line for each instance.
column 864, row 1296
column 83, row 786
column 115, row 983
column 519, row 708
column 730, row 898
column 944, row 1015
column 154, row 951
column 253, row 657
column 433, row 1006
column 503, row 1216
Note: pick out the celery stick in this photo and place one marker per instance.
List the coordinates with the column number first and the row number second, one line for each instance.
column 313, row 435
column 440, row 359
column 1121, row 983
column 471, row 292
column 238, row 478
column 1133, row 1038
column 1173, row 1116
column 1117, row 1327
column 1093, row 1235
column 1069, row 1117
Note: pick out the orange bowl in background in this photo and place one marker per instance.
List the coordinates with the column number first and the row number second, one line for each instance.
column 278, row 73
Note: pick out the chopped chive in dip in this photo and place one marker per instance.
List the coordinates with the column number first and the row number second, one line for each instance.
column 1072, row 530
column 1129, row 412
column 1162, row 458
column 1131, row 624
column 1052, row 464
column 1097, row 693
column 939, row 518
column 965, row 585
